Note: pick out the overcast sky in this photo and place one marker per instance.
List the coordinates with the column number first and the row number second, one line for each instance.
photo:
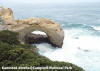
column 48, row 1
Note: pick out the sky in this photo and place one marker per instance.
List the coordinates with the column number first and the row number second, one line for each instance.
column 49, row 1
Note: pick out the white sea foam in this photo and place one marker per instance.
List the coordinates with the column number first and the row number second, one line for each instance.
column 79, row 50
column 97, row 28
column 39, row 32
column 44, row 47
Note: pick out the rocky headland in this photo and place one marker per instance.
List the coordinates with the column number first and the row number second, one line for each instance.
column 24, row 27
column 15, row 32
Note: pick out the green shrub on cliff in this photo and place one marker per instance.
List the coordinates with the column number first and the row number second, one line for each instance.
column 8, row 37
column 16, row 54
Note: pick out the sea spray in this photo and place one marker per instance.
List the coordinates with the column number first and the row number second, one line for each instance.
column 77, row 49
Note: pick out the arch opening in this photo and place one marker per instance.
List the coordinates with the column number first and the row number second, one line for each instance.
column 38, row 32
column 36, row 37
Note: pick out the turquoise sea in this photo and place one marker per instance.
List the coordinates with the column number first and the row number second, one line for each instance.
column 81, row 24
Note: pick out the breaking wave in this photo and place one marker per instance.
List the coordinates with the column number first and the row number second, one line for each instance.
column 80, row 48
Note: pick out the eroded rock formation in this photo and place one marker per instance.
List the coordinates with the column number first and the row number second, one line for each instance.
column 23, row 27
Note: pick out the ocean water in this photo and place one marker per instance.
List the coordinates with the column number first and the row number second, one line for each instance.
column 81, row 24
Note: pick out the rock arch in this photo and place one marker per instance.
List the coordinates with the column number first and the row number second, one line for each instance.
column 53, row 30
column 24, row 27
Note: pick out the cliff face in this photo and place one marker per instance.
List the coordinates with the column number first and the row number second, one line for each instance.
column 6, row 14
column 52, row 29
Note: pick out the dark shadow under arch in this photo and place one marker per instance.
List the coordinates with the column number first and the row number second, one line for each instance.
column 41, row 37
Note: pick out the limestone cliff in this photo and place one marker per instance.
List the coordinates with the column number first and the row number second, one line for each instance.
column 52, row 29
column 6, row 14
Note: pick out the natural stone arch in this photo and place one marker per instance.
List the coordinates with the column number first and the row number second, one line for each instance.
column 23, row 27
column 53, row 31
